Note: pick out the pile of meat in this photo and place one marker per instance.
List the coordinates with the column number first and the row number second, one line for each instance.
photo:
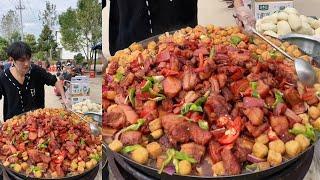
column 47, row 142
column 242, row 104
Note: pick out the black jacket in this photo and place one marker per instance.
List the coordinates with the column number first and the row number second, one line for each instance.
column 20, row 98
column 134, row 20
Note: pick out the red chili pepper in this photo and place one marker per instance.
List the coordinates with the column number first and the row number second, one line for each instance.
column 201, row 60
column 239, row 86
column 234, row 128
column 237, row 75
column 144, row 113
column 168, row 72
column 60, row 157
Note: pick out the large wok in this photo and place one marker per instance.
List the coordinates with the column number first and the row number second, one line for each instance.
column 102, row 163
column 245, row 176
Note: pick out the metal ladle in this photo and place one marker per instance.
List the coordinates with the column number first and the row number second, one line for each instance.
column 304, row 70
column 95, row 130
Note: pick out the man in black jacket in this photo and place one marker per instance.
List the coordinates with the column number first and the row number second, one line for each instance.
column 134, row 20
column 22, row 85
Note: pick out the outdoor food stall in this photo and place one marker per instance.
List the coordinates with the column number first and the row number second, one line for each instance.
column 208, row 102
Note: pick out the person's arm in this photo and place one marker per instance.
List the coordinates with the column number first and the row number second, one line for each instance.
column 1, row 92
column 51, row 80
column 59, row 87
column 244, row 15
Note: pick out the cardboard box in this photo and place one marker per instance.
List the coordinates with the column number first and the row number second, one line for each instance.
column 79, row 86
column 77, row 99
column 262, row 8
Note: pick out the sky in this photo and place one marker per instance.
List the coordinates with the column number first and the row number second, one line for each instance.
column 30, row 15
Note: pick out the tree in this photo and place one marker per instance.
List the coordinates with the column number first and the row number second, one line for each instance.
column 30, row 39
column 47, row 43
column 40, row 55
column 3, row 49
column 49, row 15
column 78, row 58
column 81, row 27
column 10, row 25
column 16, row 36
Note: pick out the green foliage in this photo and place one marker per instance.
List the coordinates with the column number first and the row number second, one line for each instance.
column 81, row 27
column 3, row 49
column 78, row 58
column 40, row 55
column 30, row 39
column 47, row 43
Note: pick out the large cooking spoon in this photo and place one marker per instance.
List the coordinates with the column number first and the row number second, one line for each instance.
column 95, row 130
column 304, row 70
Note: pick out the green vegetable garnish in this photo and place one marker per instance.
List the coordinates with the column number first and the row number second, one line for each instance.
column 128, row 149
column 132, row 92
column 203, row 124
column 170, row 153
column 212, row 52
column 273, row 54
column 200, row 101
column 310, row 132
column 24, row 135
column 82, row 142
column 35, row 169
column 252, row 168
column 190, row 107
column 44, row 144
column 183, row 156
column 95, row 156
column 118, row 77
column 147, row 86
column 254, row 86
column 296, row 131
column 176, row 164
column 235, row 40
column 159, row 98
column 279, row 98
column 196, row 108
column 134, row 127
column 251, row 38
column 174, row 155
column 155, row 79
column 185, row 108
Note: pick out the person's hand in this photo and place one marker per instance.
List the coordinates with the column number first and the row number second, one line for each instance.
column 245, row 18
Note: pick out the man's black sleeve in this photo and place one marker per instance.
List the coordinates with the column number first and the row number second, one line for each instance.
column 46, row 77
column 1, row 91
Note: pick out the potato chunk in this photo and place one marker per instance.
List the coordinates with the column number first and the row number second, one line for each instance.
column 274, row 158
column 140, row 155
column 154, row 149
column 184, row 167
column 116, row 145
column 303, row 141
column 218, row 168
column 259, row 150
column 293, row 148
column 277, row 146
